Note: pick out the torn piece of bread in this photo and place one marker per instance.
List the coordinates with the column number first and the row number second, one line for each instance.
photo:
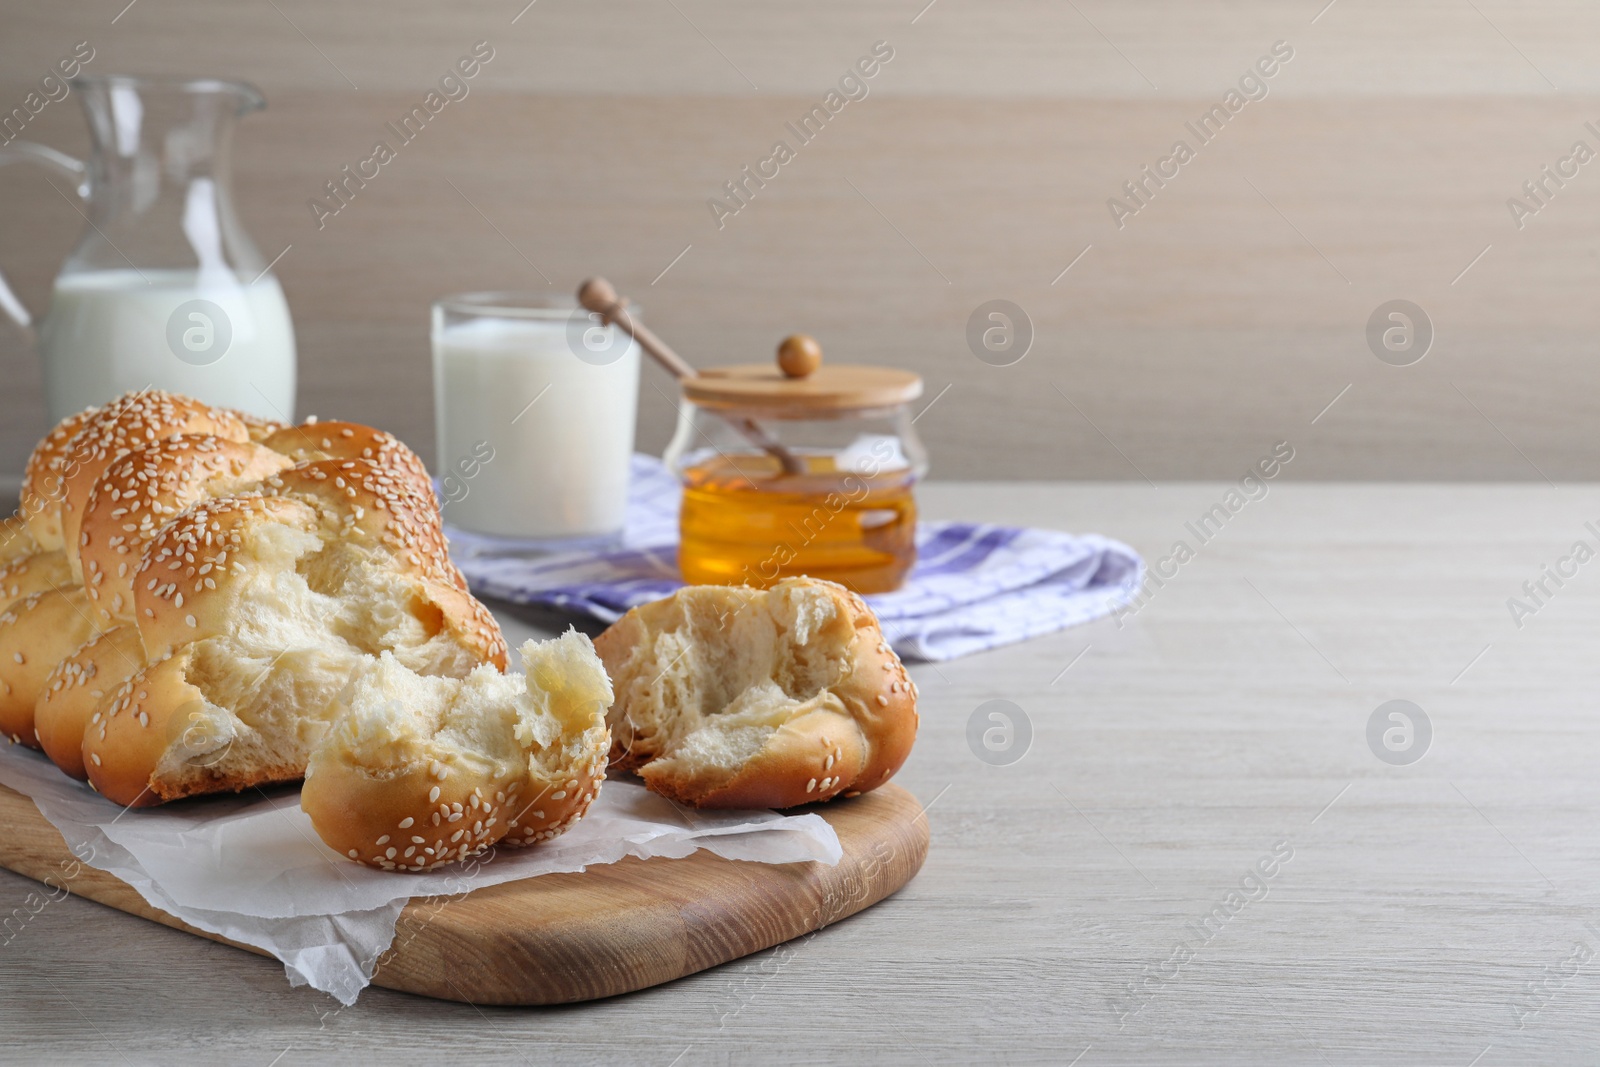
column 422, row 771
column 732, row 697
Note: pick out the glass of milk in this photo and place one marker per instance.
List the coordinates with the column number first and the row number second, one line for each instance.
column 535, row 401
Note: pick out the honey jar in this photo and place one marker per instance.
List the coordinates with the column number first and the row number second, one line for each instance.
column 798, row 469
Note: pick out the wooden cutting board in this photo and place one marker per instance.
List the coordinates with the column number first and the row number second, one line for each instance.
column 569, row 937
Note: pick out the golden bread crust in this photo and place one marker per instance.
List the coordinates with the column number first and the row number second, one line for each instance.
column 430, row 813
column 142, row 492
column 401, row 823
column 44, row 480
column 36, row 633
column 77, row 687
column 313, row 441
column 137, row 727
column 131, row 421
column 35, row 573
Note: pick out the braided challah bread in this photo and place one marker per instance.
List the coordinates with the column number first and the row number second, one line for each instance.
column 196, row 601
column 744, row 698
column 105, row 481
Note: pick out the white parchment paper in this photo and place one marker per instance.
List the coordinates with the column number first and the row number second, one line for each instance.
column 252, row 869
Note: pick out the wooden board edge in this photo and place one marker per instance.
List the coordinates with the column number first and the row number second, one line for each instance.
column 629, row 944
column 48, row 860
column 434, row 935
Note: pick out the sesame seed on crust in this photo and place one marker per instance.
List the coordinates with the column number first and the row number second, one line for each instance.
column 131, row 421
column 351, row 440
column 148, row 488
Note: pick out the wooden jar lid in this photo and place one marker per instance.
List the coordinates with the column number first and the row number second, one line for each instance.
column 825, row 389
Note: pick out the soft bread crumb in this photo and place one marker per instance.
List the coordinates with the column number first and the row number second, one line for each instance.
column 392, row 714
column 564, row 680
column 308, row 618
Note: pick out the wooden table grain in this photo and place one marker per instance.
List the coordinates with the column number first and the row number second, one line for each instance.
column 1199, row 858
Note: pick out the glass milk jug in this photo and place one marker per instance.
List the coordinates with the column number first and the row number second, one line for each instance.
column 164, row 288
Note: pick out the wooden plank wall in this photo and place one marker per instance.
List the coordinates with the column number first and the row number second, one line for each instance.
column 1222, row 317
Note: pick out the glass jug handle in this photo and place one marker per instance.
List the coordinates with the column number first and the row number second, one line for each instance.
column 67, row 166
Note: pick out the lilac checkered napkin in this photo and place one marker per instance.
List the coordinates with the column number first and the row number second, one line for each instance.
column 975, row 586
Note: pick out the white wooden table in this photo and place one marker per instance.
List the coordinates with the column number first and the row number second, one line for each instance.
column 1442, row 912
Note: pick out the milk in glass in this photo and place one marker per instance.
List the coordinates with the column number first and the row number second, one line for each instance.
column 534, row 440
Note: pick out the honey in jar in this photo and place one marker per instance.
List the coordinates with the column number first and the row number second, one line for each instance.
column 789, row 474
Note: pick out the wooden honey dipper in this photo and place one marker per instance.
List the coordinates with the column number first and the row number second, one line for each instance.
column 798, row 356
